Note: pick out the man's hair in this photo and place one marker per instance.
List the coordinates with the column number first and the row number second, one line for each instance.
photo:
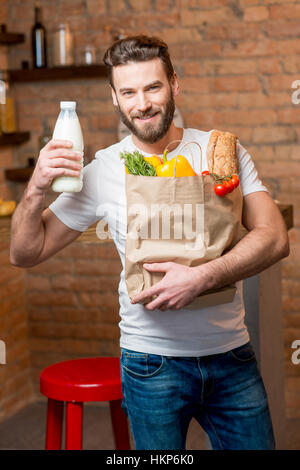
column 137, row 49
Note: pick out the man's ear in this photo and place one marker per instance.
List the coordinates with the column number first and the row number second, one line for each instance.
column 174, row 84
column 114, row 96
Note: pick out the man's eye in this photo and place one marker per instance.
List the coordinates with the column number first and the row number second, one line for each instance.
column 127, row 93
column 154, row 87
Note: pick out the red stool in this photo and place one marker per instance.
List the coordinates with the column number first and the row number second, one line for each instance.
column 75, row 382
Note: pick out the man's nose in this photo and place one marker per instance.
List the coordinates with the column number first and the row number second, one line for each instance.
column 143, row 102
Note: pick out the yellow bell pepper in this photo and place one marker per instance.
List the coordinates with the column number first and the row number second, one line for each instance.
column 155, row 160
column 183, row 168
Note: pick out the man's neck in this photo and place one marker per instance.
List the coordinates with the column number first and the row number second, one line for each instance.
column 174, row 133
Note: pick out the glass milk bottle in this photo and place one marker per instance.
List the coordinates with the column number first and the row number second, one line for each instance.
column 67, row 127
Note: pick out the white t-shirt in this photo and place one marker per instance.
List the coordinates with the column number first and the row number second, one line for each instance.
column 182, row 332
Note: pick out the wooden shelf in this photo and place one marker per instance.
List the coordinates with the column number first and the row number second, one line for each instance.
column 11, row 38
column 19, row 175
column 57, row 73
column 15, row 138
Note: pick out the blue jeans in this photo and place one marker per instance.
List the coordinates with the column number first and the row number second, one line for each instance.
column 223, row 392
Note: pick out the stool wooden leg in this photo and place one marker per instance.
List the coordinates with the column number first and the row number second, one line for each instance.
column 119, row 425
column 74, row 414
column 55, row 412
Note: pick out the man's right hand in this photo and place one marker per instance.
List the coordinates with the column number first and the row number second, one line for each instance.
column 36, row 233
column 55, row 159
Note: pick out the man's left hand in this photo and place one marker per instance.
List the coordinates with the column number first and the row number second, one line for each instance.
column 178, row 288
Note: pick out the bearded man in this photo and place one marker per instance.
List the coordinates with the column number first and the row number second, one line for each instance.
column 176, row 363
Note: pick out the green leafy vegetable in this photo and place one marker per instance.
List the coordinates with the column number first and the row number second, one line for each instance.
column 136, row 165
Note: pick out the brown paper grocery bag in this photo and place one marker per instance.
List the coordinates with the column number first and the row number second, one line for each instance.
column 179, row 219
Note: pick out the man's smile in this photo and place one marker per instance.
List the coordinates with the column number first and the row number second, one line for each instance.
column 147, row 118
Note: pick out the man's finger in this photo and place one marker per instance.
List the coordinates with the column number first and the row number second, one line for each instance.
column 157, row 267
column 145, row 294
column 58, row 143
column 163, row 307
column 156, row 303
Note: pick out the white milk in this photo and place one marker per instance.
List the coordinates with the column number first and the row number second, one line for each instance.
column 68, row 127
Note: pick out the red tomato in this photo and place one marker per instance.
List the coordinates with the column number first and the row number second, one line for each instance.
column 220, row 189
column 235, row 180
column 205, row 172
column 229, row 185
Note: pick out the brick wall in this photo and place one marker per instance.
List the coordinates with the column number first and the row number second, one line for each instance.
column 15, row 376
column 237, row 60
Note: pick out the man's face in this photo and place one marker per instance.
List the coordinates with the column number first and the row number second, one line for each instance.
column 145, row 98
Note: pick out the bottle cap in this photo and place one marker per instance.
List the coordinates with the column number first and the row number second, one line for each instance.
column 67, row 104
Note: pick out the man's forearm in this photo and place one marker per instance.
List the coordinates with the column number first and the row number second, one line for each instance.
column 258, row 250
column 27, row 229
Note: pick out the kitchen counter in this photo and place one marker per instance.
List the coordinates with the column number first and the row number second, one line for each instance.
column 90, row 236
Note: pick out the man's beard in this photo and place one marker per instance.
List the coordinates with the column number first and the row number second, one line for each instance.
column 151, row 133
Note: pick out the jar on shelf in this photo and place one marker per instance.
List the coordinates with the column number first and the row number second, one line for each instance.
column 7, row 106
column 63, row 46
column 87, row 55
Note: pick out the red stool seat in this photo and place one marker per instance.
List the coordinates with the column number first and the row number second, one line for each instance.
column 75, row 382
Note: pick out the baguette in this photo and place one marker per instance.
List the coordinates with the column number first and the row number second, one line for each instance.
column 221, row 153
column 211, row 150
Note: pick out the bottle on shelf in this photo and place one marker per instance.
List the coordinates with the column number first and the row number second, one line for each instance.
column 7, row 106
column 68, row 127
column 88, row 55
column 63, row 47
column 39, row 41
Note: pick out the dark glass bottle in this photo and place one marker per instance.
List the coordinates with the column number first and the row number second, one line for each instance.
column 39, row 44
